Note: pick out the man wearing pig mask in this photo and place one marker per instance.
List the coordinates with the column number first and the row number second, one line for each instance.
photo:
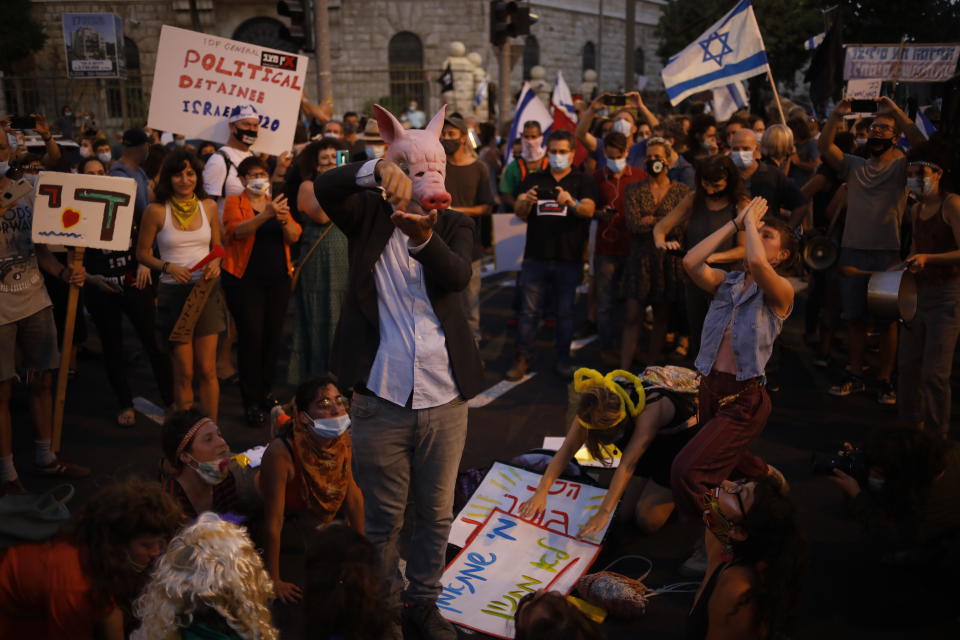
column 404, row 344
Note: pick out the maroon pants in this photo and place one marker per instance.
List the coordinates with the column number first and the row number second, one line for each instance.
column 732, row 415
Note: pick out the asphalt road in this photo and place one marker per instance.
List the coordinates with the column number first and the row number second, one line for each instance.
column 804, row 419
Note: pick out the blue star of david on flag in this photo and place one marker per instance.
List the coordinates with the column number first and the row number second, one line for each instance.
column 709, row 55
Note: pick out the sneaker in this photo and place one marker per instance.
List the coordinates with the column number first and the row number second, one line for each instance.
column 778, row 479
column 852, row 384
column 696, row 565
column 426, row 619
column 886, row 394
column 12, row 488
column 64, row 468
column 519, row 368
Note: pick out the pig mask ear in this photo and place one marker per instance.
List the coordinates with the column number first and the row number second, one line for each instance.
column 390, row 128
column 436, row 122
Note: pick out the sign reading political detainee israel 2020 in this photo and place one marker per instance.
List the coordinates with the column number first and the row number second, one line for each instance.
column 94, row 45
column 200, row 79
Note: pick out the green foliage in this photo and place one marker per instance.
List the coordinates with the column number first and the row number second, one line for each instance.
column 784, row 24
column 883, row 21
column 20, row 34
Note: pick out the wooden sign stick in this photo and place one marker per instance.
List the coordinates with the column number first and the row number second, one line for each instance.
column 66, row 350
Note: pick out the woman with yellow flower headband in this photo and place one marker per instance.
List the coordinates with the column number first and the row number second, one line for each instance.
column 648, row 422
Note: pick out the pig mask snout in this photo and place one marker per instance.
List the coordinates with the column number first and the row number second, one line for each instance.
column 437, row 200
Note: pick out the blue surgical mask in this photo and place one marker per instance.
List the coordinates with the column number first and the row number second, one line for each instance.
column 374, row 151
column 616, row 165
column 559, row 161
column 330, row 427
column 743, row 159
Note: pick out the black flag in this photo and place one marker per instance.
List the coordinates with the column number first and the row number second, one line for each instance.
column 446, row 80
column 825, row 74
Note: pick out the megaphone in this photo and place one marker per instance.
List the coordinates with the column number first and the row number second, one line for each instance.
column 820, row 251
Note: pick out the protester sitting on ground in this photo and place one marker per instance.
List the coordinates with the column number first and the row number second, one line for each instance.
column 720, row 194
column 258, row 233
column 905, row 494
column 649, row 419
column 755, row 563
column 209, row 583
column 928, row 342
column 746, row 315
column 198, row 457
column 342, row 595
column 306, row 470
column 116, row 286
column 548, row 615
column 80, row 583
column 184, row 224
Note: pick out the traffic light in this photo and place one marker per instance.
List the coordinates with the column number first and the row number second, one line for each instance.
column 300, row 31
column 508, row 19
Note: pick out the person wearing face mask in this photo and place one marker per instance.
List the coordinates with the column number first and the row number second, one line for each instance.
column 468, row 183
column 532, row 158
column 927, row 343
column 764, row 180
column 102, row 152
column 81, row 583
column 306, row 470
column 86, row 148
column 373, row 145
column 904, row 495
column 324, row 269
column 703, row 138
column 220, row 178
column 333, row 129
column 653, row 277
column 876, row 201
column 198, row 460
column 624, row 122
column 556, row 205
column 756, row 556
column 258, row 231
column 414, row 116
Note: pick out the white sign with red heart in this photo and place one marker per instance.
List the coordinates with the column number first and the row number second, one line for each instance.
column 83, row 211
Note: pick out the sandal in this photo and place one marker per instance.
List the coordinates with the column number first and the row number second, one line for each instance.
column 127, row 417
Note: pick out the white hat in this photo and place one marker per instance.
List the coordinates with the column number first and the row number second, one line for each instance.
column 242, row 111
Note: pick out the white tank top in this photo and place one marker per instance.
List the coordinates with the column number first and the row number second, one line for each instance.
column 183, row 248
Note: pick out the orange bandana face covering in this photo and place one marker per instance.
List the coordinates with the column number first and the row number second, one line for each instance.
column 324, row 471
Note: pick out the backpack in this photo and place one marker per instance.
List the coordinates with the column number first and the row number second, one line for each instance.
column 230, row 165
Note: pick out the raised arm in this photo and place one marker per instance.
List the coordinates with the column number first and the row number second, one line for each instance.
column 777, row 290
column 695, row 262
column 829, row 151
column 678, row 215
column 583, row 125
column 537, row 503
column 642, row 109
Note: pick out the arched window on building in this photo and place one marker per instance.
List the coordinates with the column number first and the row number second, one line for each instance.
column 266, row 32
column 589, row 57
column 638, row 62
column 407, row 75
column 125, row 97
column 531, row 55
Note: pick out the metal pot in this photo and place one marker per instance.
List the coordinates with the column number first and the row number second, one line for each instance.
column 892, row 295
column 819, row 251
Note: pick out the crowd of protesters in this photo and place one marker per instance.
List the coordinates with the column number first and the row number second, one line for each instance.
column 695, row 262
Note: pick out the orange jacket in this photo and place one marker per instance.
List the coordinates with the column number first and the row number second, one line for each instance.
column 238, row 209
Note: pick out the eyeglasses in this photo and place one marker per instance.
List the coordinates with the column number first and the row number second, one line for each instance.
column 340, row 401
column 881, row 127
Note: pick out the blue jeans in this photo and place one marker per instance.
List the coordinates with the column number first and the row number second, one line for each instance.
column 403, row 455
column 608, row 280
column 535, row 277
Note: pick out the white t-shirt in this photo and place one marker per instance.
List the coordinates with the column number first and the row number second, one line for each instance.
column 216, row 170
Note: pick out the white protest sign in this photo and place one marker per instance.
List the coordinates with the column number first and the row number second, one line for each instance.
column 863, row 89
column 569, row 504
column 507, row 559
column 510, row 240
column 84, row 211
column 200, row 79
column 904, row 63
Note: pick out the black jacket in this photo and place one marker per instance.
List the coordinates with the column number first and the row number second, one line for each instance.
column 364, row 217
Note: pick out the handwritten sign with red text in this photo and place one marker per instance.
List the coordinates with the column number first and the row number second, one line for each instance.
column 507, row 559
column 904, row 63
column 83, row 211
column 200, row 79
column 569, row 504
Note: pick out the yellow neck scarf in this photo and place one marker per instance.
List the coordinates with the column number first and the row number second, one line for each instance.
column 184, row 210
column 585, row 378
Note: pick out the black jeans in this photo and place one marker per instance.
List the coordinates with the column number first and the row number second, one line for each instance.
column 107, row 310
column 258, row 308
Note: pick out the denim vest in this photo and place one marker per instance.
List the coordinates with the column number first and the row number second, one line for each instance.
column 755, row 327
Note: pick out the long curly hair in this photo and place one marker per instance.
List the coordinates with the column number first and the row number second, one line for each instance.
column 209, row 572
column 776, row 550
column 343, row 585
column 109, row 521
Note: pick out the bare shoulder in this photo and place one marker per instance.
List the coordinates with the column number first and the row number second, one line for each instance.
column 951, row 209
column 277, row 456
column 154, row 214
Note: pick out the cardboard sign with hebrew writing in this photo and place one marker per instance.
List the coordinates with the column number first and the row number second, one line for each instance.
column 506, row 559
column 199, row 79
column 78, row 210
column 569, row 504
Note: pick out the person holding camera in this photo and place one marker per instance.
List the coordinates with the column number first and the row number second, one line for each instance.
column 653, row 277
column 557, row 205
column 903, row 488
column 624, row 122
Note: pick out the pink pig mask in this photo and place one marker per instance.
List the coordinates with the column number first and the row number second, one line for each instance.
column 420, row 154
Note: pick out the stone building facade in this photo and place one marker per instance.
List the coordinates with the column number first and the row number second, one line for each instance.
column 382, row 50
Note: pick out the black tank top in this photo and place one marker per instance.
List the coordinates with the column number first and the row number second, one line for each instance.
column 698, row 622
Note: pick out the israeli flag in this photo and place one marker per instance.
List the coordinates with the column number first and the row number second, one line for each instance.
column 481, row 96
column 529, row 107
column 812, row 43
column 923, row 123
column 730, row 50
column 562, row 98
column 729, row 99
